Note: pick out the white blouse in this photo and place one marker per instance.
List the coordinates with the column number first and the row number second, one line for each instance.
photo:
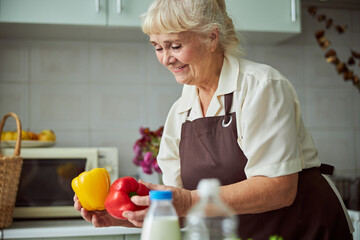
column 270, row 128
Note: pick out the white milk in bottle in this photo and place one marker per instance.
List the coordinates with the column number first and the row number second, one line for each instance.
column 161, row 221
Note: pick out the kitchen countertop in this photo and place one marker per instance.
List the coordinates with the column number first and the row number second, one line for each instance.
column 60, row 228
column 80, row 228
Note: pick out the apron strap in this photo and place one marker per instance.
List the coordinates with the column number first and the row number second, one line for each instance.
column 227, row 117
column 228, row 103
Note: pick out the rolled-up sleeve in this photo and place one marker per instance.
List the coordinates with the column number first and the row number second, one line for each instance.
column 269, row 129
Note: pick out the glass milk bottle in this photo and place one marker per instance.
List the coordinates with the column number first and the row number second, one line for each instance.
column 161, row 221
column 210, row 218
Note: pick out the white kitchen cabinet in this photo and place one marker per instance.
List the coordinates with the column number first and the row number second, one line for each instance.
column 132, row 237
column 260, row 21
column 79, row 12
column 126, row 12
column 265, row 15
column 118, row 237
column 266, row 20
column 70, row 229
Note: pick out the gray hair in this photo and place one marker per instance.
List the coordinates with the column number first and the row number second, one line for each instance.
column 198, row 16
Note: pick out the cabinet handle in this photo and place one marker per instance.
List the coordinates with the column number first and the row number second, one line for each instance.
column 293, row 10
column 97, row 6
column 118, row 6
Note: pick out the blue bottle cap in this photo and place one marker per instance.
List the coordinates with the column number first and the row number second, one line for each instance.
column 160, row 195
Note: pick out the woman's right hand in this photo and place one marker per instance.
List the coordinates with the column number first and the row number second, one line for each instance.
column 99, row 218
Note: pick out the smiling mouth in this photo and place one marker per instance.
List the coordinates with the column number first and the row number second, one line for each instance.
column 176, row 69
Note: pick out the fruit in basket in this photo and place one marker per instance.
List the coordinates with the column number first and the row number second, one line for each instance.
column 8, row 136
column 2, row 135
column 33, row 135
column 24, row 135
column 44, row 135
column 47, row 135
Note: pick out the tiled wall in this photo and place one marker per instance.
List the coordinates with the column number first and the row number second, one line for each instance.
column 89, row 93
column 97, row 93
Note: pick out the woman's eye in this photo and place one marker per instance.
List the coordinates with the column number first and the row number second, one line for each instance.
column 176, row 47
column 158, row 49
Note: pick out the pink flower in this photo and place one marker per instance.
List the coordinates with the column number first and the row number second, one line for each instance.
column 137, row 150
column 136, row 161
column 159, row 132
column 148, row 158
column 146, row 167
column 146, row 149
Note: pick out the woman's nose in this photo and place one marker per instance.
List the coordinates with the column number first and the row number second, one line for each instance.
column 168, row 58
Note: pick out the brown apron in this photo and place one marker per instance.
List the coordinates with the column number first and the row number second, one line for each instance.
column 209, row 149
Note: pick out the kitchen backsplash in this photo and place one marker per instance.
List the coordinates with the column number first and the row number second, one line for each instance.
column 97, row 93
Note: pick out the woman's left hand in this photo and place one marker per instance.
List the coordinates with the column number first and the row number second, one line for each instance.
column 182, row 201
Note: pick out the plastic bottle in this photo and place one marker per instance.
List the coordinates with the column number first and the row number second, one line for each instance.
column 161, row 221
column 210, row 218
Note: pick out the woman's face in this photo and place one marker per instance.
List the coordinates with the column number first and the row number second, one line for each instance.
column 184, row 55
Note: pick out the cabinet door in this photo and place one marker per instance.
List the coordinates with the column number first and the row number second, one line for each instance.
column 82, row 12
column 265, row 15
column 127, row 12
column 133, row 237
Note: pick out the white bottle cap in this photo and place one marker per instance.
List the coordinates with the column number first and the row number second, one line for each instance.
column 208, row 187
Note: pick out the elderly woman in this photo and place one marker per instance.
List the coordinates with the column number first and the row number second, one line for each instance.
column 237, row 121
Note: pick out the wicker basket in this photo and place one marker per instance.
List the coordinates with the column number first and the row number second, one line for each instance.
column 10, row 169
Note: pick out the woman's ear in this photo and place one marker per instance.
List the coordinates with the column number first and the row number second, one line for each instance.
column 214, row 39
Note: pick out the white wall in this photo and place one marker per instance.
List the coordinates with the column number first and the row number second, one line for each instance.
column 330, row 106
column 97, row 93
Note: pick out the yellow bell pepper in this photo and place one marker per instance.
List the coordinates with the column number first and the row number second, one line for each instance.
column 91, row 188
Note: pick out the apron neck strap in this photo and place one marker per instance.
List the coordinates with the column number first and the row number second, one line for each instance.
column 228, row 102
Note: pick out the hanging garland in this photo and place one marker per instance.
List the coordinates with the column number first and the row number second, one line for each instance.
column 342, row 68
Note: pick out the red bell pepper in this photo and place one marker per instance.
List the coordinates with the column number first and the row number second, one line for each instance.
column 120, row 192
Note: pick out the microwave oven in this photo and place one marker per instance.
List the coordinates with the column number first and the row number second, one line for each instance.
column 44, row 189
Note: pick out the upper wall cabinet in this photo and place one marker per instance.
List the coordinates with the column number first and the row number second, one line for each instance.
column 82, row 12
column 259, row 18
column 264, row 21
column 79, row 12
column 126, row 12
